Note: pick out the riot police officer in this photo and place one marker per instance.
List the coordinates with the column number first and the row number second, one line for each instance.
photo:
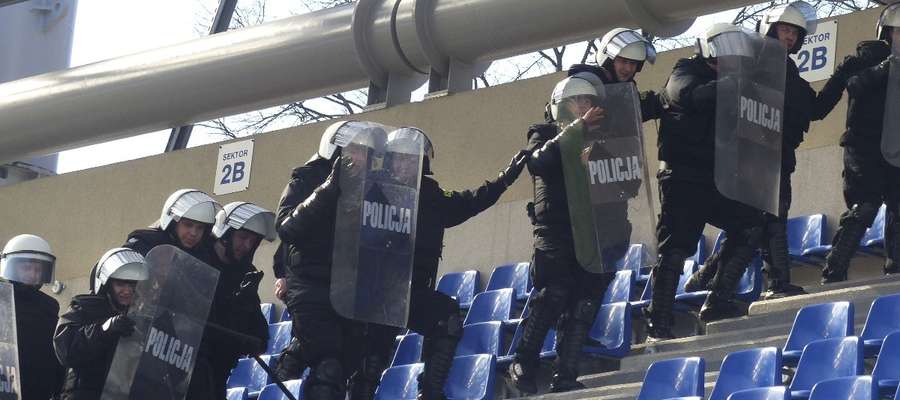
column 565, row 291
column 868, row 178
column 789, row 25
column 28, row 263
column 185, row 222
column 322, row 332
column 236, row 326
column 89, row 331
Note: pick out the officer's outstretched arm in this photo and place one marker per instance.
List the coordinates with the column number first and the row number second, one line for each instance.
column 457, row 207
column 79, row 345
column 544, row 149
column 312, row 212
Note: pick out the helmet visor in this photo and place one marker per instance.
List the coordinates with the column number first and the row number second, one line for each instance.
column 623, row 40
column 731, row 44
column 28, row 268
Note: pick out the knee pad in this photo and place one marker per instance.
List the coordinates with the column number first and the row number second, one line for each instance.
column 753, row 235
column 553, row 297
column 863, row 213
column 672, row 261
column 585, row 310
column 451, row 327
column 328, row 372
column 372, row 366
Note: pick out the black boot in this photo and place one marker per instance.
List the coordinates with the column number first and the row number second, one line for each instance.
column 326, row 381
column 719, row 304
column 438, row 352
column 701, row 279
column 852, row 228
column 290, row 363
column 892, row 249
column 778, row 263
column 546, row 308
column 365, row 381
column 664, row 281
column 576, row 329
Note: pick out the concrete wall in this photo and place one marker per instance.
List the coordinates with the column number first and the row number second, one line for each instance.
column 84, row 213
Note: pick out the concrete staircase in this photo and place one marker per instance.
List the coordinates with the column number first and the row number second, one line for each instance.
column 767, row 324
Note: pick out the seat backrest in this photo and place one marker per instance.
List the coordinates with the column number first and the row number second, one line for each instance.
column 820, row 321
column 460, row 285
column 846, row 388
column 887, row 366
column 273, row 392
column 766, row 393
column 240, row 374
column 747, row 369
column 409, row 350
column 480, row 338
column 876, row 231
column 514, row 276
column 471, row 377
column 883, row 318
column 237, row 393
column 285, row 315
column 826, row 359
column 268, row 312
column 620, row 288
column 612, row 328
column 689, row 267
column 259, row 378
column 400, row 382
column 634, row 259
column 490, row 305
column 805, row 232
column 279, row 337
column 673, row 378
column 718, row 243
column 750, row 286
column 700, row 255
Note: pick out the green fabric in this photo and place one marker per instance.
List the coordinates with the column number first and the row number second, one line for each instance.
column 571, row 145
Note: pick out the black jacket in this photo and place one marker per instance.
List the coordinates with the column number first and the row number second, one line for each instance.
column 36, row 318
column 550, row 211
column 83, row 349
column 144, row 240
column 649, row 100
column 799, row 100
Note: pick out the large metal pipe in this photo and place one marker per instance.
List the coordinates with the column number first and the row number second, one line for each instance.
column 302, row 57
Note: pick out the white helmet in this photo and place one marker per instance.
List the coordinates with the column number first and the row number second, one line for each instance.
column 340, row 134
column 191, row 204
column 723, row 39
column 119, row 263
column 27, row 259
column 799, row 13
column 625, row 43
column 570, row 87
column 890, row 18
column 243, row 215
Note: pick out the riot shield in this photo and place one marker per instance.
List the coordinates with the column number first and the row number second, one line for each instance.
column 607, row 182
column 170, row 311
column 9, row 352
column 749, row 115
column 890, row 136
column 375, row 225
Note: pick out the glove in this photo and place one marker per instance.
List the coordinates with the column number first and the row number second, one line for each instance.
column 249, row 286
column 509, row 175
column 119, row 325
column 872, row 52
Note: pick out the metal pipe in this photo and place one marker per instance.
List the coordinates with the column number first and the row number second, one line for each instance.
column 301, row 57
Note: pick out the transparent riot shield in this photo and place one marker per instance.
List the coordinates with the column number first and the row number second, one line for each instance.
column 890, row 136
column 607, row 182
column 170, row 311
column 375, row 225
column 749, row 118
column 9, row 352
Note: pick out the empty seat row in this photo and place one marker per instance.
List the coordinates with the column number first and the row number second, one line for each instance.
column 471, row 377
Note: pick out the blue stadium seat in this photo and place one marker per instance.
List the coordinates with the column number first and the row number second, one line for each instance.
column 514, row 276
column 673, row 378
column 268, row 311
column 249, row 374
column 886, row 374
column 815, row 322
column 620, row 288
column 400, row 382
column 611, row 333
column 273, row 392
column 874, row 236
column 685, row 398
column 547, row 351
column 461, row 286
column 700, row 256
column 717, row 245
column 846, row 388
column 883, row 318
column 480, row 338
column 490, row 305
column 826, row 359
column 767, row 393
column 279, row 337
column 285, row 315
column 236, row 394
column 409, row 350
column 472, row 378
column 636, row 259
column 805, row 238
column 748, row 369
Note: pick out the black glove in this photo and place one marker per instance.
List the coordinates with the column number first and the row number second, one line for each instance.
column 249, row 286
column 119, row 325
column 872, row 52
column 508, row 176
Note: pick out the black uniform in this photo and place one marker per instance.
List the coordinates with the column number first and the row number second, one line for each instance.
column 868, row 178
column 236, row 328
column 688, row 196
column 36, row 318
column 83, row 347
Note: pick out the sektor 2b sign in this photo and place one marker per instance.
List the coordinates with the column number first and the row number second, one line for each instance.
column 233, row 167
column 817, row 56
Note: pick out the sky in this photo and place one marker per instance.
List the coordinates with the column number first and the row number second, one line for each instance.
column 107, row 29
